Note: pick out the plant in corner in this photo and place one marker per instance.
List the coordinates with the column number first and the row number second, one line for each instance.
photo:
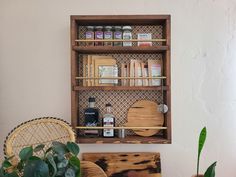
column 59, row 160
column 210, row 172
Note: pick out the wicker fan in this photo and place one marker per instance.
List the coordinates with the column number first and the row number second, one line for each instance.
column 37, row 131
column 45, row 130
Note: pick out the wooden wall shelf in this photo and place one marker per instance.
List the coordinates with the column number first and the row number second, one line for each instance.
column 126, row 140
column 118, row 49
column 110, row 88
column 121, row 97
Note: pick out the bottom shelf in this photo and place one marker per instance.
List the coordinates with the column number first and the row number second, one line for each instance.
column 126, row 140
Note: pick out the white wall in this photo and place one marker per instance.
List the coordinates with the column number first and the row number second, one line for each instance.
column 35, row 72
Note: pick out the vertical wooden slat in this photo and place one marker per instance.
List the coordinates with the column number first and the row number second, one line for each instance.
column 74, row 100
column 168, row 80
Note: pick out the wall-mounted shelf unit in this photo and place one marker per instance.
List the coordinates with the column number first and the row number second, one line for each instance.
column 120, row 96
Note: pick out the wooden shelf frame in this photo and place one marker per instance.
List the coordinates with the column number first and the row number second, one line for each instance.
column 165, row 50
column 126, row 140
column 120, row 40
column 119, row 49
column 118, row 128
column 117, row 88
column 119, row 78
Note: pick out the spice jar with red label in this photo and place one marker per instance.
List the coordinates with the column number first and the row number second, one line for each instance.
column 99, row 35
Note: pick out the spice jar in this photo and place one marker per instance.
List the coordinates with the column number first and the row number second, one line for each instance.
column 89, row 34
column 127, row 35
column 99, row 35
column 108, row 35
column 118, row 35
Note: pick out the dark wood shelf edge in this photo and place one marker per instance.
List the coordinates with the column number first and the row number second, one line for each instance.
column 119, row 49
column 111, row 88
column 126, row 140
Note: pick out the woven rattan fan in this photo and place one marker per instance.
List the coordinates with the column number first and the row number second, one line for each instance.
column 45, row 130
column 37, row 131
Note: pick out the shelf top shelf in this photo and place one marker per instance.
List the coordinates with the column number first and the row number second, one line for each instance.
column 120, row 49
column 120, row 19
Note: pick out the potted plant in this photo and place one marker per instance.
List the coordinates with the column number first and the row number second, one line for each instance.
column 210, row 172
column 59, row 160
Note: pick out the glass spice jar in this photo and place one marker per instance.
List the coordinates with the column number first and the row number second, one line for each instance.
column 127, row 35
column 108, row 35
column 89, row 34
column 118, row 35
column 99, row 35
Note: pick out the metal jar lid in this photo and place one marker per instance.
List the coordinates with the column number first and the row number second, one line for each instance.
column 127, row 28
column 118, row 27
column 108, row 27
column 99, row 27
column 90, row 27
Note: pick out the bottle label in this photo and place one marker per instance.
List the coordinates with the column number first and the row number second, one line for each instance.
column 108, row 122
column 117, row 35
column 107, row 35
column 89, row 35
column 99, row 35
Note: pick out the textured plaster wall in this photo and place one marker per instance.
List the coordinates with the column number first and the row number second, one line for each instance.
column 35, row 72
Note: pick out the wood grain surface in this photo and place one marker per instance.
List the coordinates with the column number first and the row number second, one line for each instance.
column 144, row 113
column 127, row 164
column 90, row 169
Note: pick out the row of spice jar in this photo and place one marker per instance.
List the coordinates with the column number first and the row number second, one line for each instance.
column 108, row 33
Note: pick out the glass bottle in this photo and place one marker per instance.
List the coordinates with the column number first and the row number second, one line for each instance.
column 118, row 35
column 127, row 35
column 91, row 118
column 99, row 35
column 108, row 35
column 108, row 121
column 89, row 34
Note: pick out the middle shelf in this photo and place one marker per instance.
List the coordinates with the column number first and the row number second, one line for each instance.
column 107, row 88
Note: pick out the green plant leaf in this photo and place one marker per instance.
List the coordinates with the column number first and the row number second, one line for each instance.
column 62, row 164
column 59, row 147
column 38, row 148
column 20, row 166
column 6, row 164
column 75, row 163
column 201, row 142
column 210, row 172
column 36, row 168
column 13, row 174
column 70, row 173
column 26, row 153
column 73, row 148
column 52, row 163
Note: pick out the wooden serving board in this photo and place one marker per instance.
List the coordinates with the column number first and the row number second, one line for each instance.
column 127, row 164
column 144, row 113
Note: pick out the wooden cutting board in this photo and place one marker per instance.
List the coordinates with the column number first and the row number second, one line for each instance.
column 127, row 164
column 144, row 113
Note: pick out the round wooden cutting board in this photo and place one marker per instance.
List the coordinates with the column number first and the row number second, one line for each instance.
column 144, row 113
